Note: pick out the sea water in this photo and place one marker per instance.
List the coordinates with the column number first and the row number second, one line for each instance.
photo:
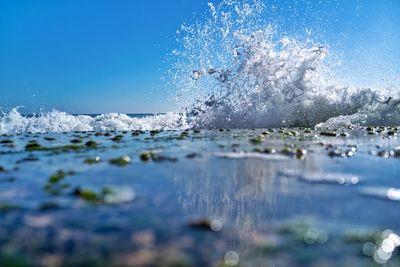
column 270, row 162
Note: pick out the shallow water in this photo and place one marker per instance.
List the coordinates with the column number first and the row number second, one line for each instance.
column 201, row 198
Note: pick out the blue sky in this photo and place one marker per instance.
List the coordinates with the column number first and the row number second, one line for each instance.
column 85, row 56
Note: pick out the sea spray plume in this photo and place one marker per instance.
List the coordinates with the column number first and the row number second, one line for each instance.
column 235, row 71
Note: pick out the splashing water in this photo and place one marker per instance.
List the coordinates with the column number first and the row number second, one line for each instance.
column 234, row 70
column 252, row 77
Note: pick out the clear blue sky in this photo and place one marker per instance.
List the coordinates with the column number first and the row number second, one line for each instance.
column 85, row 56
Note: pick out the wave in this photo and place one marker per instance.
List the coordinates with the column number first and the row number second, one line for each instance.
column 234, row 70
column 246, row 75
column 56, row 121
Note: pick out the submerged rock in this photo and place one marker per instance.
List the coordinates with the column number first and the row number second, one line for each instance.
column 91, row 144
column 117, row 138
column 76, row 141
column 301, row 153
column 121, row 161
column 33, row 146
column 150, row 155
column 328, row 134
column 206, row 224
column 91, row 161
column 108, row 195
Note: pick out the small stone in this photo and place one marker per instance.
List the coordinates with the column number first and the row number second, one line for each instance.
column 256, row 140
column 91, row 161
column 329, row 134
column 121, row 161
column 87, row 195
column 57, row 177
column 154, row 132
column 33, row 146
column 91, row 144
column 145, row 156
column 203, row 224
column 136, row 133
column 117, row 138
column 301, row 153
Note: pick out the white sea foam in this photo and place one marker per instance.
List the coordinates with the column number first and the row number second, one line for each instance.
column 329, row 178
column 381, row 192
column 56, row 121
column 251, row 155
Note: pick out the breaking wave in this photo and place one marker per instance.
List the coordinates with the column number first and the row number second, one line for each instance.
column 245, row 74
column 56, row 121
column 234, row 70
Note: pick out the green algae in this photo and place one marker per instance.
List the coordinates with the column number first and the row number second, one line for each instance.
column 33, row 146
column 88, row 195
column 106, row 195
column 121, row 161
column 57, row 177
column 54, row 186
column 91, row 161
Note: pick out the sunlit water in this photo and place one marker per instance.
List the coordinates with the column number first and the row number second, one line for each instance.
column 209, row 197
